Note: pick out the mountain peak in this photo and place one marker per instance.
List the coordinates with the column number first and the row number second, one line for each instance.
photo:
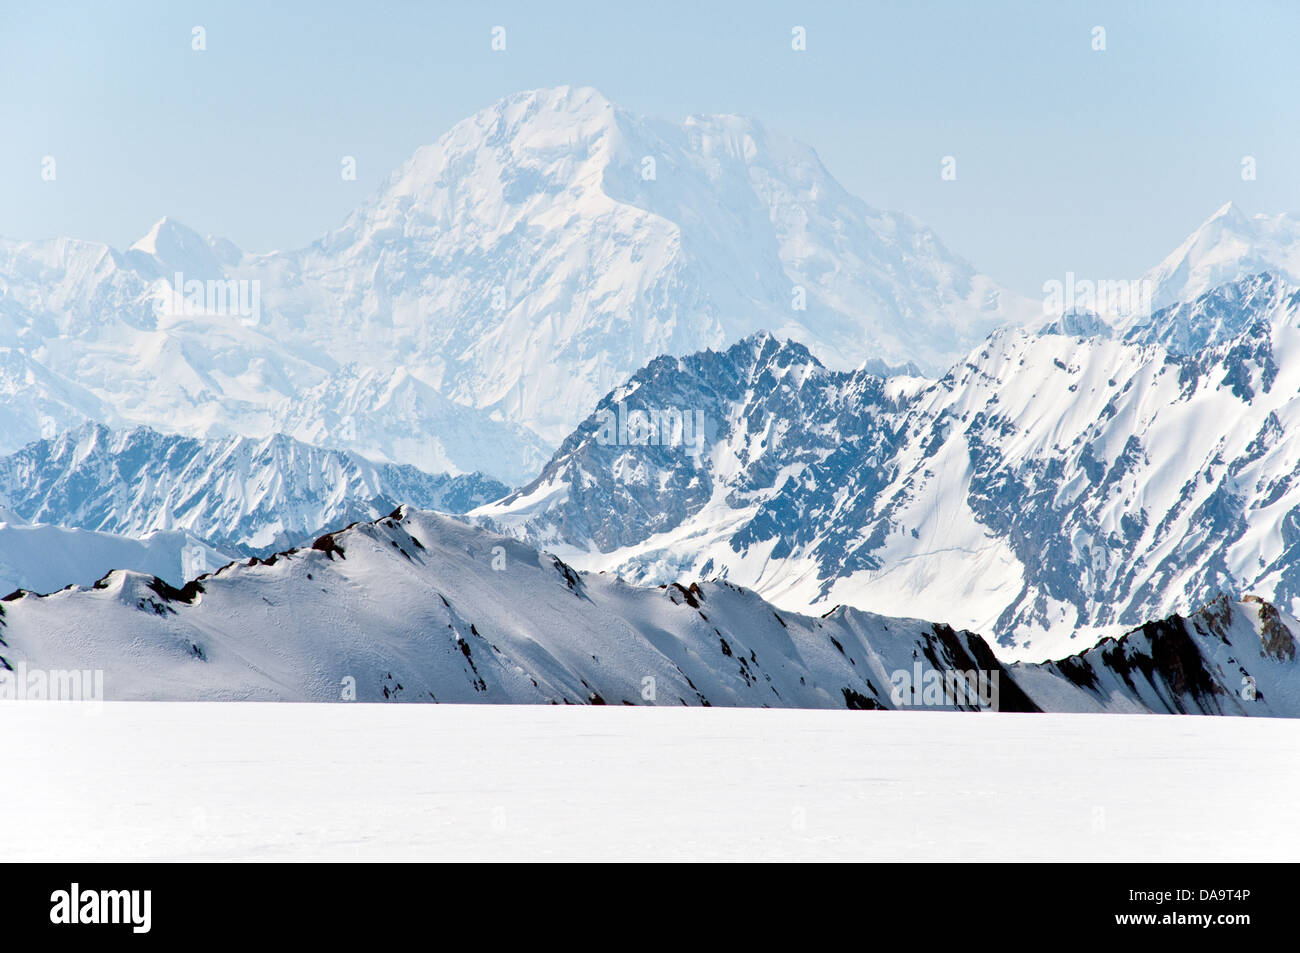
column 1228, row 212
column 1227, row 220
column 566, row 96
column 561, row 112
column 556, row 220
column 764, row 347
column 166, row 233
column 171, row 246
column 1227, row 246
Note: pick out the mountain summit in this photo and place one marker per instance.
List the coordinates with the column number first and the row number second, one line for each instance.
column 542, row 250
column 1227, row 246
column 498, row 284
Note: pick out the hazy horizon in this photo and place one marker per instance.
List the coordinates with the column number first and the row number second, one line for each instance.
column 1068, row 158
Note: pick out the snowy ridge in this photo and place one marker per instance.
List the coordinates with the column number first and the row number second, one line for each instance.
column 421, row 607
column 411, row 607
column 1217, row 316
column 1227, row 658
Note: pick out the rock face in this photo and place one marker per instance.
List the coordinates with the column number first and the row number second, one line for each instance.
column 420, row 607
column 1048, row 488
column 1227, row 658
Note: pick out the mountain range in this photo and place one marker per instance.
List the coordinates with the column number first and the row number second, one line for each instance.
column 836, row 409
column 238, row 495
column 468, row 315
column 1049, row 488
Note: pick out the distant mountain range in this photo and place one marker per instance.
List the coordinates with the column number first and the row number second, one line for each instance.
column 238, row 495
column 467, row 316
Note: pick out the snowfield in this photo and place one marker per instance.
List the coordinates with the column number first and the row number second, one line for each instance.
column 359, row 782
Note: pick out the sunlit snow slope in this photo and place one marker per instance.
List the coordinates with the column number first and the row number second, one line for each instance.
column 421, row 607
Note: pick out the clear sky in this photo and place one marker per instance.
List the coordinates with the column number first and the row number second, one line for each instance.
column 1067, row 158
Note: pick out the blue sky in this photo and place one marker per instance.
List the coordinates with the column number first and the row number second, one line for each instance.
column 1067, row 158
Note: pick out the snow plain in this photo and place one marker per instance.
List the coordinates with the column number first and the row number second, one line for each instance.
column 217, row 782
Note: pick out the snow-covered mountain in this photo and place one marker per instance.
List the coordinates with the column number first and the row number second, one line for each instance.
column 1219, row 315
column 467, row 316
column 89, row 334
column 238, row 494
column 545, row 248
column 1048, row 489
column 420, row 607
column 762, row 411
column 1228, row 246
column 1227, row 658
column 520, row 270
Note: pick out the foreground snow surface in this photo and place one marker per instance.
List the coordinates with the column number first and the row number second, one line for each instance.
column 195, row 781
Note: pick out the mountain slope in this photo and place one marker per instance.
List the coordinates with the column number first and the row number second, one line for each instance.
column 420, row 607
column 1219, row 315
column 1227, row 658
column 240, row 495
column 1048, row 488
